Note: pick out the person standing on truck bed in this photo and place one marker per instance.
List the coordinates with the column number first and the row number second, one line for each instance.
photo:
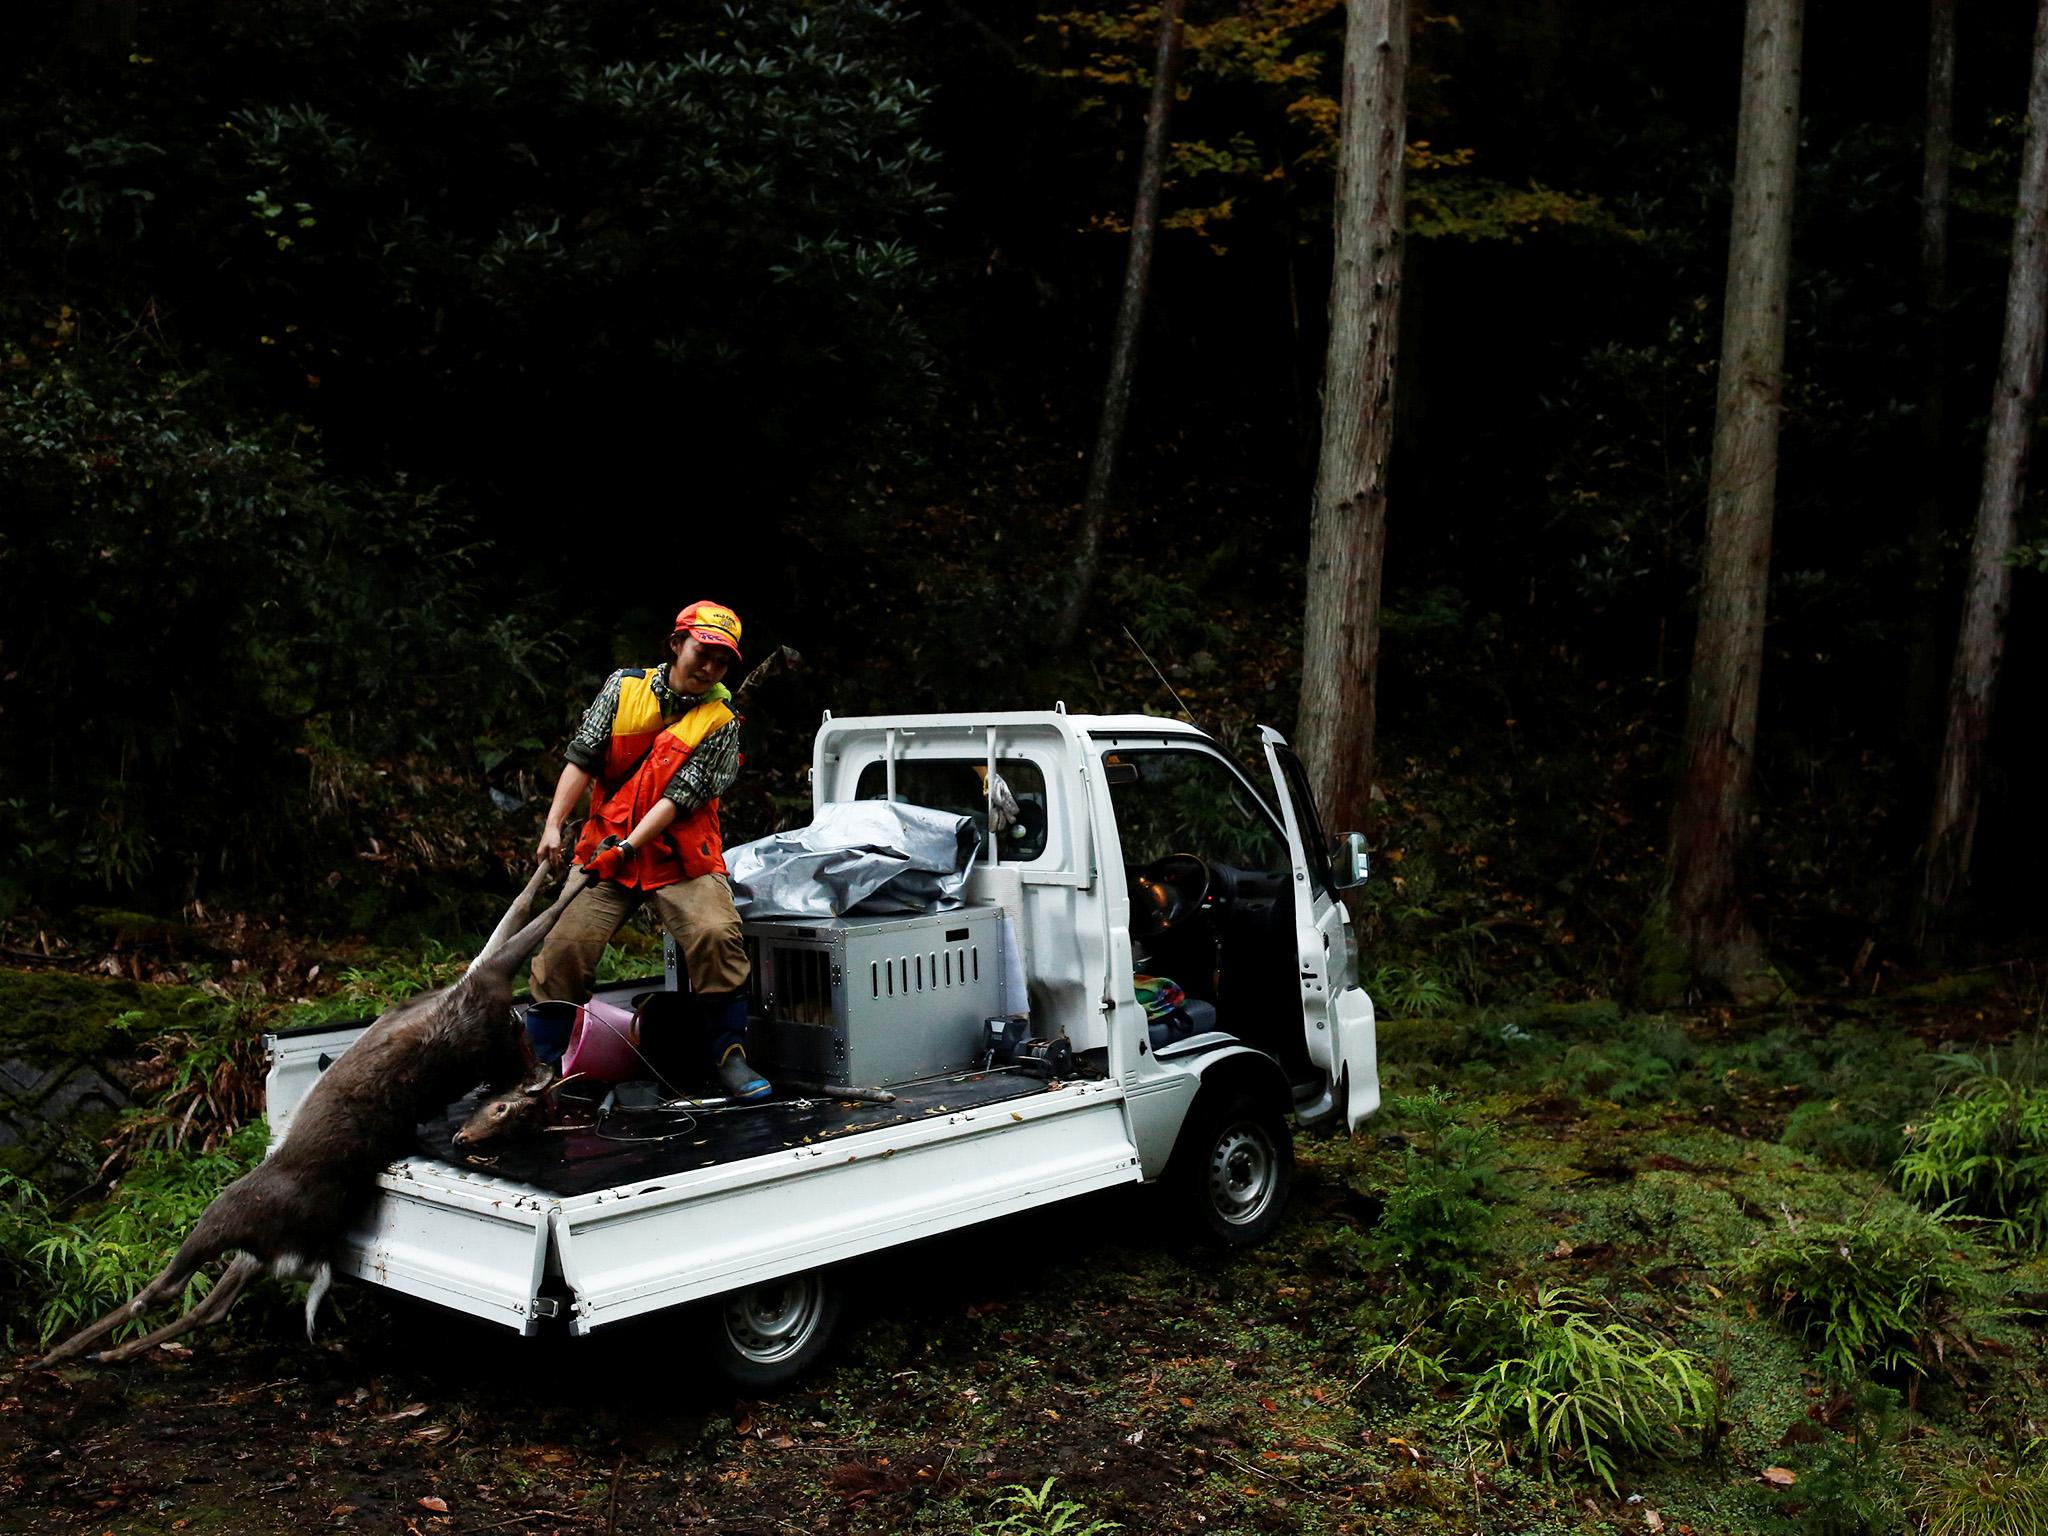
column 656, row 749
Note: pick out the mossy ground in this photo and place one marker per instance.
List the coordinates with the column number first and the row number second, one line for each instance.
column 1168, row 1389
column 53, row 1016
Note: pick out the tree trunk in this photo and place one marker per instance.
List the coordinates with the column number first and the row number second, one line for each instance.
column 1130, row 318
column 1714, row 940
column 1348, row 528
column 1923, row 666
column 1980, row 638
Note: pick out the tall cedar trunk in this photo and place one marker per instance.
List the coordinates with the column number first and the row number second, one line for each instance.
column 1706, row 913
column 1923, row 664
column 1130, row 318
column 1980, row 638
column 1348, row 530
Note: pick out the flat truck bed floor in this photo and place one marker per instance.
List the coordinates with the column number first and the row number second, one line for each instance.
column 632, row 1147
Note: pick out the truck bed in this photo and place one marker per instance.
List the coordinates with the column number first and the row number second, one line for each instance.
column 632, row 1147
column 585, row 1226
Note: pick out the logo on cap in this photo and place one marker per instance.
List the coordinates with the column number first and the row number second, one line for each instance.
column 712, row 623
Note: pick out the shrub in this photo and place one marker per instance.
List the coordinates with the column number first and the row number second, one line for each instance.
column 1867, row 1293
column 1984, row 1148
column 1034, row 1512
column 1419, row 991
column 90, row 1266
column 1580, row 1389
column 1437, row 1221
column 1852, row 1133
column 1982, row 1497
column 1850, row 1485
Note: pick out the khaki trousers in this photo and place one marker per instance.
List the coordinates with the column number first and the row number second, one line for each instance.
column 698, row 915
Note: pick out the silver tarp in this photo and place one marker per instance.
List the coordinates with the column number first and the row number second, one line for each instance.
column 857, row 856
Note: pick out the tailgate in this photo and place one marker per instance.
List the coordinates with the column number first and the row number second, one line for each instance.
column 297, row 1058
column 473, row 1244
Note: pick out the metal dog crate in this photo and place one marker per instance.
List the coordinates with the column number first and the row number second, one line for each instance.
column 862, row 1001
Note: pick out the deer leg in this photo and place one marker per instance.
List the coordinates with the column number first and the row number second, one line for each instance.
column 510, row 921
column 210, row 1308
column 166, row 1285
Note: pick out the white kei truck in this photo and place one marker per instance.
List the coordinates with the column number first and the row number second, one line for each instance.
column 1138, row 855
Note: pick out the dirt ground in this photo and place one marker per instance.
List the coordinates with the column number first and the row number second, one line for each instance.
column 1022, row 1351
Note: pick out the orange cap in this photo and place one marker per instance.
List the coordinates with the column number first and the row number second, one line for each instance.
column 711, row 624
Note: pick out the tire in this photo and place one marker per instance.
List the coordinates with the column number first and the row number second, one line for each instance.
column 1233, row 1168
column 769, row 1334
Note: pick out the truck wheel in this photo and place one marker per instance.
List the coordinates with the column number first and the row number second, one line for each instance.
column 1238, row 1170
column 769, row 1334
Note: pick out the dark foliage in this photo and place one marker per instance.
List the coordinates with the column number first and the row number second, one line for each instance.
column 377, row 374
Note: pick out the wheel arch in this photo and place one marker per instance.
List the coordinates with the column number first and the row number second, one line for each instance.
column 1242, row 1072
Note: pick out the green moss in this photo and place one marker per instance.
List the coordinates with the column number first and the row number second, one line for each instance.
column 1949, row 989
column 1671, row 1217
column 52, row 1016
column 1589, row 1018
column 124, row 927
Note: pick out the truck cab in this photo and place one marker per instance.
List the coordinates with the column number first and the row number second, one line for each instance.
column 1141, row 848
column 1120, row 859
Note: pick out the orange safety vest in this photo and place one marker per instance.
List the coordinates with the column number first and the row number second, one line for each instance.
column 640, row 760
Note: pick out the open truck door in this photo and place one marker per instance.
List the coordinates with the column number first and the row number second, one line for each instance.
column 1336, row 1013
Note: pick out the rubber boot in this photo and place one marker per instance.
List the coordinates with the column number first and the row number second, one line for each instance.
column 725, row 1026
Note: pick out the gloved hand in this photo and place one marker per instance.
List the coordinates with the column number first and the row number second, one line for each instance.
column 612, row 858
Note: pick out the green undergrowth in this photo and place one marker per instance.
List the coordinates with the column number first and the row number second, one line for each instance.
column 89, row 1263
column 1582, row 1257
column 1719, row 1208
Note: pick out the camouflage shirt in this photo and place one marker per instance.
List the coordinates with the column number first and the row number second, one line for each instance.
column 710, row 769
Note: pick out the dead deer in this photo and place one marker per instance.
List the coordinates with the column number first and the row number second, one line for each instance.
column 286, row 1215
column 526, row 1106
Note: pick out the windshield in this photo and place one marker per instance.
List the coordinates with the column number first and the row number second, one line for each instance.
column 1180, row 800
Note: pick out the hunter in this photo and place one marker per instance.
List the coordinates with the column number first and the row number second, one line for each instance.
column 656, row 749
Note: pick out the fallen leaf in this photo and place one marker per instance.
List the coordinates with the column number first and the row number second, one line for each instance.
column 409, row 1411
column 438, row 1506
column 1653, row 1520
column 1563, row 1250
column 1779, row 1477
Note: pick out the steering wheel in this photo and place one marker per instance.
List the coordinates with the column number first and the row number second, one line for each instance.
column 1166, row 892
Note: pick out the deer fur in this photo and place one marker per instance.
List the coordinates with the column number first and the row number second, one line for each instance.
column 286, row 1215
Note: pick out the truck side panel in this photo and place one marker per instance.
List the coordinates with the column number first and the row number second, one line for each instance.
column 691, row 1239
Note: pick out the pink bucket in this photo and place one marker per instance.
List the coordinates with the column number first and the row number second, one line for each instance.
column 604, row 1044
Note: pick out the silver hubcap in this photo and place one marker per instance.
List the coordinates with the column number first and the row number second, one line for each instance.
column 772, row 1322
column 1243, row 1171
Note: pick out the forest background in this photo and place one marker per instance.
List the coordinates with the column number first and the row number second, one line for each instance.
column 376, row 375
column 376, row 378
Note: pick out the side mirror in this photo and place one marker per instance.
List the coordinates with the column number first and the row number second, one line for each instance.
column 1349, row 861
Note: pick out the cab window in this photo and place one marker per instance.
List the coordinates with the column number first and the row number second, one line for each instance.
column 1178, row 801
column 957, row 785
